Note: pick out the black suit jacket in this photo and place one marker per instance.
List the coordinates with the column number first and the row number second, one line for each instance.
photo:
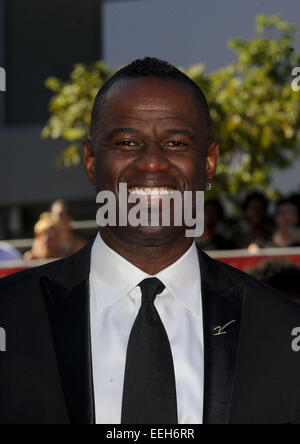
column 252, row 374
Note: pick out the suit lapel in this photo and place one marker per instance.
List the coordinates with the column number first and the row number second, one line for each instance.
column 222, row 313
column 68, row 311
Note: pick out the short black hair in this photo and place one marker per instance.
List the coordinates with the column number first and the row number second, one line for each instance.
column 288, row 201
column 256, row 195
column 148, row 67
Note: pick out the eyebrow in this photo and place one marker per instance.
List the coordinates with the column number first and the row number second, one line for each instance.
column 171, row 132
column 117, row 131
column 185, row 132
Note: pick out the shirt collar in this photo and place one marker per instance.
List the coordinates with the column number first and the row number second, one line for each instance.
column 183, row 280
column 114, row 277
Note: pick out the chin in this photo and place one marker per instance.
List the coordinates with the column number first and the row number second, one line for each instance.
column 150, row 236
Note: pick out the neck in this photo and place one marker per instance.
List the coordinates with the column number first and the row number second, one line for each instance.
column 150, row 259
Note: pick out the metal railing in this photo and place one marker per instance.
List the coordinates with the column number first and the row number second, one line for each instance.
column 241, row 259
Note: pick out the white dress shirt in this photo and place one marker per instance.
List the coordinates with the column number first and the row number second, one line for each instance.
column 115, row 299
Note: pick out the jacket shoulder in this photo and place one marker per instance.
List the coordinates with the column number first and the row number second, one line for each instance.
column 66, row 272
column 30, row 275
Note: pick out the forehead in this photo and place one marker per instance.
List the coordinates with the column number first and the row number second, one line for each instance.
column 255, row 201
column 152, row 98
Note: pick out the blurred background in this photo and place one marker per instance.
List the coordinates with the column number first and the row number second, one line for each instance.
column 57, row 54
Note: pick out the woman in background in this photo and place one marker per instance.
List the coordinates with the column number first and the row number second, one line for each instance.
column 287, row 219
column 45, row 244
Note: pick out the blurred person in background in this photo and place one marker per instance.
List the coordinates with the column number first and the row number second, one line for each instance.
column 8, row 253
column 281, row 275
column 287, row 219
column 255, row 230
column 68, row 242
column 213, row 237
column 45, row 244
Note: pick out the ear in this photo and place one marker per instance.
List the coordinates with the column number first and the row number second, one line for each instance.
column 212, row 160
column 89, row 160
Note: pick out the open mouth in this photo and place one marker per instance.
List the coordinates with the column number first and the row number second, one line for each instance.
column 152, row 191
column 154, row 197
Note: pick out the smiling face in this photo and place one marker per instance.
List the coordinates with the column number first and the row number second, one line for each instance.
column 152, row 135
column 287, row 216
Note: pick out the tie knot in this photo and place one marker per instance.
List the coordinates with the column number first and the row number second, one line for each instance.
column 150, row 288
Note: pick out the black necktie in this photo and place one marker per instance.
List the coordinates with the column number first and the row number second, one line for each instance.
column 149, row 395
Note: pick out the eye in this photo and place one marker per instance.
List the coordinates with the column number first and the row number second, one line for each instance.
column 175, row 145
column 127, row 145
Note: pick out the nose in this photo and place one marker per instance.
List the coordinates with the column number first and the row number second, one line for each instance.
column 152, row 159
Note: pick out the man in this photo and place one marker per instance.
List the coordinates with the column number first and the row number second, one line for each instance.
column 142, row 327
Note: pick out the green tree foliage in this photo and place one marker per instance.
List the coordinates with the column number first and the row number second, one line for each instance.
column 71, row 106
column 255, row 112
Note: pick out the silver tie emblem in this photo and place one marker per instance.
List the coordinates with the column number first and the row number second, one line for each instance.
column 218, row 331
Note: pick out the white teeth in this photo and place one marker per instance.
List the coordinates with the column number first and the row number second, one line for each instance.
column 155, row 191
